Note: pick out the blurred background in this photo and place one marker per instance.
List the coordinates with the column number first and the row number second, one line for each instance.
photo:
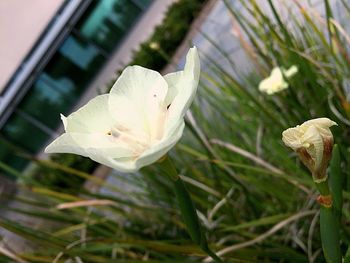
column 59, row 54
column 56, row 55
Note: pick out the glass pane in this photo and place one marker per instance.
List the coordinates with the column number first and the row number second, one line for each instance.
column 106, row 22
column 82, row 54
column 143, row 3
column 24, row 134
column 46, row 100
column 125, row 13
column 9, row 157
column 71, row 69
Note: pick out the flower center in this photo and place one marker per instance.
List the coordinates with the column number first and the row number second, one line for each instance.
column 134, row 139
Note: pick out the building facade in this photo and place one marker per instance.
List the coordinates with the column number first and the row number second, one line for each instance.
column 68, row 57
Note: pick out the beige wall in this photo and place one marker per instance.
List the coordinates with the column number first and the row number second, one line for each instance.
column 21, row 23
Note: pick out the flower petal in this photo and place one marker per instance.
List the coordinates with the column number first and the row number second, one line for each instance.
column 292, row 138
column 90, row 145
column 264, row 85
column 183, row 86
column 65, row 144
column 93, row 117
column 291, row 71
column 149, row 156
column 320, row 123
column 69, row 143
column 124, row 165
column 173, row 80
column 158, row 150
column 137, row 101
column 274, row 83
column 64, row 120
column 313, row 138
column 276, row 74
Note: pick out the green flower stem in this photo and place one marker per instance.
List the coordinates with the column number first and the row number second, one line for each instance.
column 329, row 227
column 187, row 208
column 323, row 188
column 330, row 216
column 336, row 181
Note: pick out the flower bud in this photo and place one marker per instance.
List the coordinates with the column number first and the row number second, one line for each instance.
column 154, row 45
column 313, row 141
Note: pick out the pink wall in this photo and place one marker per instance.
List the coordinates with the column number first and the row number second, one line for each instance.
column 21, row 23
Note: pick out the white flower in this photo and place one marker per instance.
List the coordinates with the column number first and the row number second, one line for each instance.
column 154, row 45
column 137, row 123
column 275, row 82
column 313, row 141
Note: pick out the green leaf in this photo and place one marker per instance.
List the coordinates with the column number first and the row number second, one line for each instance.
column 188, row 211
column 255, row 223
column 347, row 256
column 329, row 226
column 336, row 180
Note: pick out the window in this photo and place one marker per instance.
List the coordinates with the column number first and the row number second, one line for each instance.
column 143, row 3
column 46, row 100
column 9, row 157
column 25, row 132
column 66, row 76
column 73, row 66
column 107, row 22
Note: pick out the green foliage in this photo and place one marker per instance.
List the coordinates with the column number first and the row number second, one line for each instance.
column 336, row 181
column 330, row 217
column 61, row 179
column 253, row 197
column 329, row 226
column 168, row 35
